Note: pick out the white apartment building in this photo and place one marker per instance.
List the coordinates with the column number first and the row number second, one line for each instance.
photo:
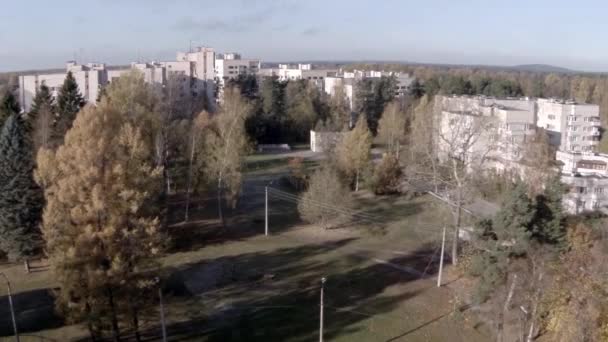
column 348, row 82
column 195, row 70
column 89, row 77
column 586, row 174
column 489, row 133
column 286, row 72
column 231, row 65
column 571, row 126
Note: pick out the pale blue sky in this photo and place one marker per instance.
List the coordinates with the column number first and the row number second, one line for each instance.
column 43, row 33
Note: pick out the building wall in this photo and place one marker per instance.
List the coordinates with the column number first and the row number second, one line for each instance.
column 572, row 127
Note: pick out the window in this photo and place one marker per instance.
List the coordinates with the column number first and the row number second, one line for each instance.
column 551, row 117
column 572, row 118
column 581, row 189
column 550, row 126
column 599, row 190
column 573, row 128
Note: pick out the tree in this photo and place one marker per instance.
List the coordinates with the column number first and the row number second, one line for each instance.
column 550, row 227
column 43, row 98
column 464, row 143
column 101, row 233
column 372, row 95
column 69, row 102
column 391, row 128
column 538, row 159
column 8, row 105
column 21, row 199
column 387, row 175
column 300, row 110
column 43, row 128
column 416, row 89
column 507, row 235
column 353, row 151
column 339, row 110
column 225, row 146
column 325, row 190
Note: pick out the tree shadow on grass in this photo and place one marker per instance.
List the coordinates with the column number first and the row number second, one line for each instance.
column 274, row 296
column 34, row 311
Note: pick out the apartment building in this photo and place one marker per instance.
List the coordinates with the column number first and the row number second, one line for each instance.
column 194, row 71
column 287, row 72
column 231, row 65
column 571, row 126
column 586, row 175
column 89, row 77
column 486, row 133
column 348, row 82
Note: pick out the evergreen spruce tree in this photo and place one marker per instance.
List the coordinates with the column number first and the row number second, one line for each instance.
column 8, row 106
column 69, row 102
column 43, row 98
column 549, row 226
column 21, row 199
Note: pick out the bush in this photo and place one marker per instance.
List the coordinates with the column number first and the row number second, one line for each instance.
column 387, row 176
column 297, row 174
column 325, row 192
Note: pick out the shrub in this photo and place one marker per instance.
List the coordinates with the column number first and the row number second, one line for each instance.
column 387, row 176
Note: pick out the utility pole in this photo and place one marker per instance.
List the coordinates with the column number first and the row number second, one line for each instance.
column 162, row 311
column 321, row 313
column 441, row 259
column 10, row 304
column 266, row 212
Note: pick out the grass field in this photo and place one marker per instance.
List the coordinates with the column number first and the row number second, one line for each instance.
column 235, row 284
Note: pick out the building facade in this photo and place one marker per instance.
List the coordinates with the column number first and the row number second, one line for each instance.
column 586, row 175
column 195, row 72
column 488, row 134
column 286, row 72
column 347, row 81
column 90, row 78
column 571, row 126
column 231, row 65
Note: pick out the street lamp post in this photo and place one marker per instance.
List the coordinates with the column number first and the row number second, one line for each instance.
column 10, row 304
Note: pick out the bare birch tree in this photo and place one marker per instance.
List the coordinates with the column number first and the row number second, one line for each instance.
column 225, row 145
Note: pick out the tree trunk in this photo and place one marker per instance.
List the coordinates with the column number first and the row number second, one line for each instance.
column 457, row 218
column 505, row 308
column 219, row 200
column 136, row 324
column 357, row 181
column 89, row 323
column 115, row 328
column 188, row 187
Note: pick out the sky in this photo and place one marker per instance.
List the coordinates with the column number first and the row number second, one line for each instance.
column 38, row 34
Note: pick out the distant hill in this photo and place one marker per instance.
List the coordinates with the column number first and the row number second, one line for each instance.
column 542, row 68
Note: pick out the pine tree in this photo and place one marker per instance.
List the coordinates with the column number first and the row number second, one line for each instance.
column 8, row 106
column 549, row 226
column 512, row 225
column 20, row 197
column 69, row 102
column 43, row 98
column 99, row 234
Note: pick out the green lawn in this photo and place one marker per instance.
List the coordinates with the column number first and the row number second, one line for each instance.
column 235, row 284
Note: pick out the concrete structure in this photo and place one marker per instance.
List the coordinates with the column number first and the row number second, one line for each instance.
column 193, row 71
column 488, row 133
column 89, row 77
column 348, row 81
column 586, row 174
column 286, row 72
column 231, row 65
column 324, row 141
column 571, row 126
